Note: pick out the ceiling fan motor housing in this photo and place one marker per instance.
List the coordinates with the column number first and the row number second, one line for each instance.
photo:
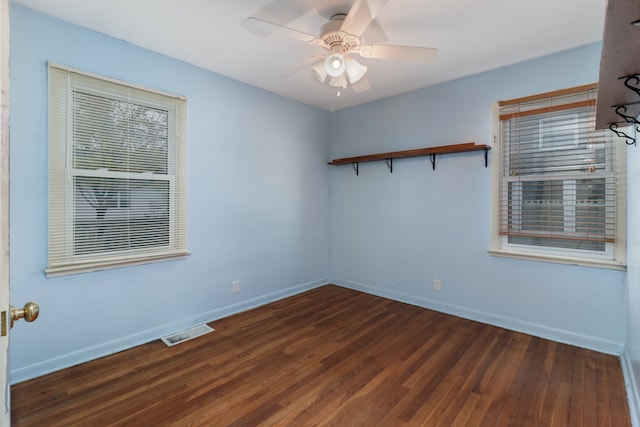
column 335, row 39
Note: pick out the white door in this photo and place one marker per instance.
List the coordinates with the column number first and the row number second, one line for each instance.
column 7, row 313
column 5, row 401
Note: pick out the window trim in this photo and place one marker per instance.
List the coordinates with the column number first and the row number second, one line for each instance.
column 616, row 258
column 58, row 175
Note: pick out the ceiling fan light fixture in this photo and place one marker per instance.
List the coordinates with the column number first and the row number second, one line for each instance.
column 319, row 72
column 334, row 65
column 338, row 81
column 355, row 70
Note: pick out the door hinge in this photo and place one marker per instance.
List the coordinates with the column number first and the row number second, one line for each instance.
column 3, row 324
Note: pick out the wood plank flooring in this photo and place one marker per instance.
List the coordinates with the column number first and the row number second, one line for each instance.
column 333, row 356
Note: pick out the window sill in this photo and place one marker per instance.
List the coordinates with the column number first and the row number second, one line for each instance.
column 583, row 262
column 66, row 270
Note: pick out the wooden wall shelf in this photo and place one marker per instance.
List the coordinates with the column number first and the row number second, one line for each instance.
column 419, row 152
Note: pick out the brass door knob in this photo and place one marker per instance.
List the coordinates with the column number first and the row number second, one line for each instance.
column 29, row 312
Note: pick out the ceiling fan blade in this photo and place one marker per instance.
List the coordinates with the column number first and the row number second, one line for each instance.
column 304, row 64
column 375, row 34
column 283, row 11
column 264, row 28
column 361, row 85
column 360, row 16
column 405, row 53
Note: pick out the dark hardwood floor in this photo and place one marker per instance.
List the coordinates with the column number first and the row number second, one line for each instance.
column 333, row 356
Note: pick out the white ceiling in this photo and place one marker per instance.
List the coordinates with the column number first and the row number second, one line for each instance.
column 472, row 36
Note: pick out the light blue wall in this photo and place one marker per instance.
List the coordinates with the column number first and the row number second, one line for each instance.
column 258, row 203
column 392, row 234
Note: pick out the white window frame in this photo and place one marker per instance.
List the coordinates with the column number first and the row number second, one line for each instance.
column 63, row 257
column 614, row 254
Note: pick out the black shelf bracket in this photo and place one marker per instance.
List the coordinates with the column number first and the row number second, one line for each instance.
column 486, row 157
column 433, row 160
column 356, row 167
column 390, row 164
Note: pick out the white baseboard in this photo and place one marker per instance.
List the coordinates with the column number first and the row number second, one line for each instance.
column 633, row 392
column 558, row 335
column 42, row 368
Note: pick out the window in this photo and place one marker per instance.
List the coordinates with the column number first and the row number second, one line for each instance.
column 558, row 184
column 117, row 174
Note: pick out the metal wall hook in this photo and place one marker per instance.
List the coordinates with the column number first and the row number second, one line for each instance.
column 628, row 139
column 620, row 110
column 627, row 80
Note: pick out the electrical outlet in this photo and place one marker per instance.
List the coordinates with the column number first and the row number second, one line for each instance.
column 235, row 286
column 437, row 285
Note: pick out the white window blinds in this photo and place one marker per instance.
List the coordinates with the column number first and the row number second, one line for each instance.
column 559, row 178
column 117, row 174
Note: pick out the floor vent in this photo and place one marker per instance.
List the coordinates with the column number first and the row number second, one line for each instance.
column 186, row 335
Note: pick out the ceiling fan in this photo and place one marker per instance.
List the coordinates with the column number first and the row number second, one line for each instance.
column 340, row 38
